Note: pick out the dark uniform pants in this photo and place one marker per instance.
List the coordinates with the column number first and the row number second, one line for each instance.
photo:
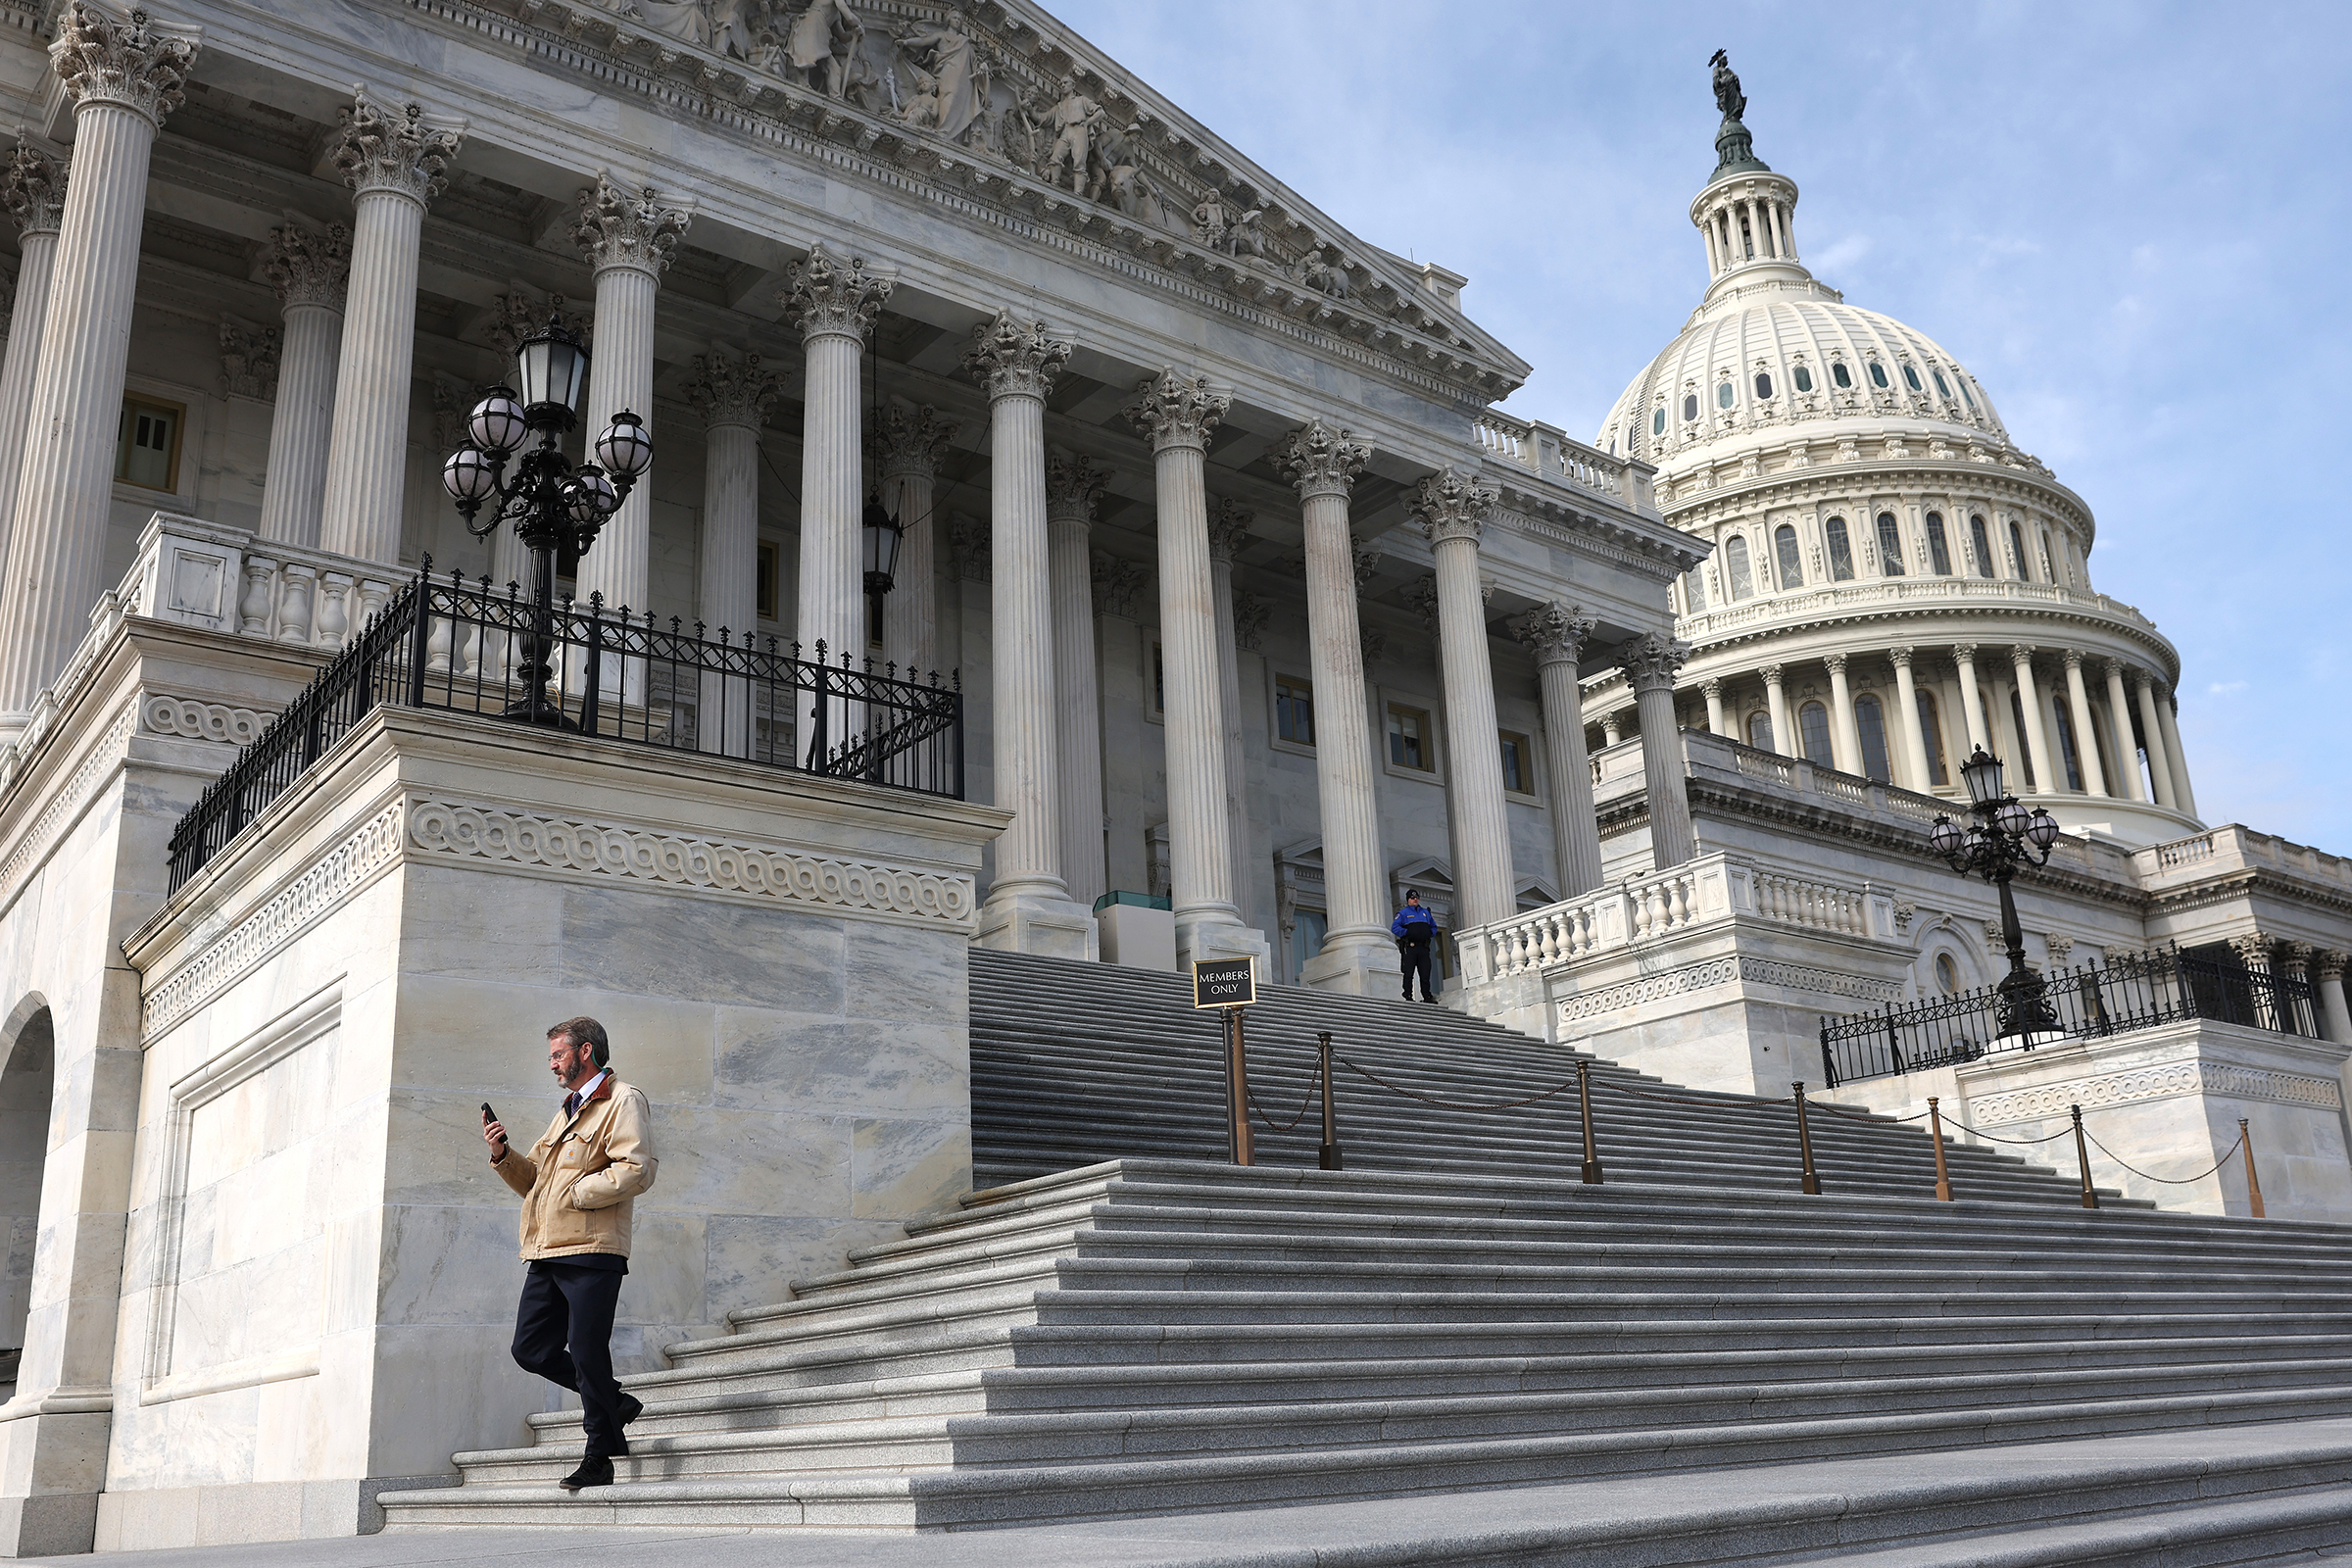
column 1420, row 958
column 564, row 1332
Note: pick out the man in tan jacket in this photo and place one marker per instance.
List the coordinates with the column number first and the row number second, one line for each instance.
column 576, row 1185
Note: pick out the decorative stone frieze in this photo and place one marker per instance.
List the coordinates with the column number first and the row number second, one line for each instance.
column 627, row 229
column 1177, row 409
column 1451, row 505
column 909, row 442
column 404, row 152
column 306, row 266
column 826, row 295
column 191, row 720
column 1555, row 632
column 131, row 61
column 731, row 391
column 33, row 189
column 1013, row 358
column 1074, row 486
column 2164, row 1081
column 1321, row 461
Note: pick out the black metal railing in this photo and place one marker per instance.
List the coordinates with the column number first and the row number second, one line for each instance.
column 441, row 643
column 2137, row 991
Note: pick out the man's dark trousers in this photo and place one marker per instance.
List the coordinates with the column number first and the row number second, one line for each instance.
column 1420, row 958
column 564, row 1332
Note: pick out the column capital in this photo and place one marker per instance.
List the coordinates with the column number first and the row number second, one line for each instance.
column 1014, row 358
column 306, row 266
column 1367, row 562
column 1651, row 661
column 1422, row 595
column 33, row 190
column 1073, row 484
column 1835, row 661
column 405, row 151
column 1555, row 632
column 2298, row 954
column 1964, row 652
column 2114, row 668
column 1250, row 616
column 731, row 391
column 1229, row 530
column 911, row 441
column 1320, row 461
column 2252, row 949
column 2022, row 655
column 1900, row 657
column 1451, row 504
column 130, row 61
column 1712, row 689
column 1117, row 584
column 622, row 228
column 830, row 297
column 249, row 359
column 1371, row 642
column 1177, row 409
column 1770, row 672
column 2327, row 963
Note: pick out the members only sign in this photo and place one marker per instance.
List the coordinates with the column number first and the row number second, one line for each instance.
column 1224, row 982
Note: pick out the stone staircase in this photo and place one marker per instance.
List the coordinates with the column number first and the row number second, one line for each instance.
column 1454, row 1312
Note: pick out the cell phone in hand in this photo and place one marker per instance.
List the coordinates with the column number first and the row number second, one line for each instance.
column 488, row 1115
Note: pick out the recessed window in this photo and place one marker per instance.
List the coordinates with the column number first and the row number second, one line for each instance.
column 1841, row 375
column 1966, row 396
column 2017, row 553
column 2067, row 754
column 1722, row 395
column 1890, row 546
column 1911, row 378
column 1409, row 739
column 1877, row 373
column 1657, row 421
column 1813, row 724
column 1783, row 550
column 1695, row 591
column 1759, row 730
column 1939, row 550
column 1690, row 406
column 2016, row 718
column 763, row 598
column 1930, row 734
column 1517, row 776
column 1763, row 384
column 147, row 447
column 1842, row 549
column 1294, row 710
column 1735, row 563
column 1947, row 975
column 1803, row 377
column 1870, row 722
column 1942, row 388
column 1984, row 545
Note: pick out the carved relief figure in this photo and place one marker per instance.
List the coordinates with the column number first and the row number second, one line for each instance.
column 1210, row 220
column 1246, row 236
column 823, row 40
column 687, row 20
column 956, row 83
column 1072, row 121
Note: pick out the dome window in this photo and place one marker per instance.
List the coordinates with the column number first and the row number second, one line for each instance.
column 1763, row 384
column 1841, row 375
column 1734, row 561
column 1940, row 548
column 1870, row 724
column 1890, row 546
column 1877, row 373
column 2017, row 554
column 1805, row 379
column 1942, row 388
column 1842, row 549
column 1695, row 591
column 1911, row 378
column 1657, row 421
column 1813, row 732
column 1967, row 396
column 1784, row 549
column 1724, row 395
column 1690, row 406
column 1977, row 537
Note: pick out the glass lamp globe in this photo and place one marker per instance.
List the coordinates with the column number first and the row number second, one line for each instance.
column 553, row 365
column 589, row 496
column 2013, row 819
column 468, row 475
column 2043, row 831
column 624, row 448
column 883, row 536
column 1981, row 773
column 1945, row 837
column 1975, row 841
column 496, row 423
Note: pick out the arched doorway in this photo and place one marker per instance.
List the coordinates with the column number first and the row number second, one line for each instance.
column 26, row 1083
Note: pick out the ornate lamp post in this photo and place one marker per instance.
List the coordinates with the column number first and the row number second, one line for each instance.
column 2004, row 837
column 551, row 502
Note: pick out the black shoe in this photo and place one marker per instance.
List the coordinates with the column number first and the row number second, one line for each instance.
column 631, row 1408
column 594, row 1471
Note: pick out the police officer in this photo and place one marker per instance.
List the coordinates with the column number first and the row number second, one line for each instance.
column 1416, row 932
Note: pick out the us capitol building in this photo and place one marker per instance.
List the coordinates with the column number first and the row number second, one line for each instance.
column 1217, row 602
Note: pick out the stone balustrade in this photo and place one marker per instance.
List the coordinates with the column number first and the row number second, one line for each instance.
column 2236, row 848
column 1552, row 453
column 1876, row 598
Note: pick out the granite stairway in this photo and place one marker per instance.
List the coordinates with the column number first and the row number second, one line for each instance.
column 1454, row 1313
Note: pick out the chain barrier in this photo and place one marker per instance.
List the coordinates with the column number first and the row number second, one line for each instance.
column 1998, row 1138
column 2168, row 1181
column 1447, row 1104
column 1314, row 1082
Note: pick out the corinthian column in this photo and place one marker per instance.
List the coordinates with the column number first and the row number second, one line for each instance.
column 1359, row 957
column 2151, row 737
column 1846, row 737
column 2335, row 1020
column 2184, row 797
column 909, row 447
column 1651, row 663
column 310, row 271
column 1177, row 411
column 1776, row 703
column 2127, row 749
column 733, row 396
column 1228, row 529
column 1555, row 634
column 1072, row 487
column 33, row 189
column 2087, row 733
column 2038, row 729
column 1029, row 909
column 627, row 237
column 393, row 162
column 124, row 76
column 1915, row 740
column 835, row 302
column 1452, row 511
column 1972, row 699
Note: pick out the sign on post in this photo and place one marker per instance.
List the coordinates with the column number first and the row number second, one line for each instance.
column 1224, row 982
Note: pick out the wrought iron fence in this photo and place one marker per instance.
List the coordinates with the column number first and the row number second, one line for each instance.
column 2127, row 991
column 442, row 642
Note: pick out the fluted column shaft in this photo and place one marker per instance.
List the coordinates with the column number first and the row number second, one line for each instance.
column 1717, row 722
column 1022, row 648
column 2152, row 737
column 1556, row 634
column 1452, row 510
column 394, row 162
column 835, row 302
column 1651, row 663
column 1915, row 741
column 1071, row 488
column 1227, row 528
column 2335, row 1019
column 1323, row 464
column 1775, row 702
column 908, row 446
column 1846, row 737
column 728, row 595
column 34, row 191
column 628, row 236
column 2184, row 795
column 1972, row 698
column 2046, row 778
column 57, row 542
column 310, row 272
column 2087, row 733
column 2127, row 749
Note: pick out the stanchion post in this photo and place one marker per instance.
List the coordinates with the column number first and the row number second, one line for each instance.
column 2090, row 1200
column 1804, row 1141
column 2245, row 1136
column 1329, row 1155
column 1584, row 1100
column 1237, row 1076
column 1944, row 1179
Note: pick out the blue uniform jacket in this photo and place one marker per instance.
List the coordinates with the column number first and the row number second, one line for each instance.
column 1414, row 925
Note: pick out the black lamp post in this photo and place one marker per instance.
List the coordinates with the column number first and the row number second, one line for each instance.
column 551, row 502
column 2006, row 836
column 884, row 534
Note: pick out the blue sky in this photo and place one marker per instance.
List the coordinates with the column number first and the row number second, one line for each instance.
column 2131, row 222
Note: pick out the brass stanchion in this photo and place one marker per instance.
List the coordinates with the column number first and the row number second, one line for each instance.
column 2245, row 1136
column 1329, row 1154
column 1584, row 1097
column 1805, row 1140
column 1237, row 1084
column 2090, row 1200
column 1943, row 1180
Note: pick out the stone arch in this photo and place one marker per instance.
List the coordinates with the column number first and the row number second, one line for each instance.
column 28, row 1085
column 1945, row 936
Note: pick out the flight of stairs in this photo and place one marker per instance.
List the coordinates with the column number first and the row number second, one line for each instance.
column 1455, row 1311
